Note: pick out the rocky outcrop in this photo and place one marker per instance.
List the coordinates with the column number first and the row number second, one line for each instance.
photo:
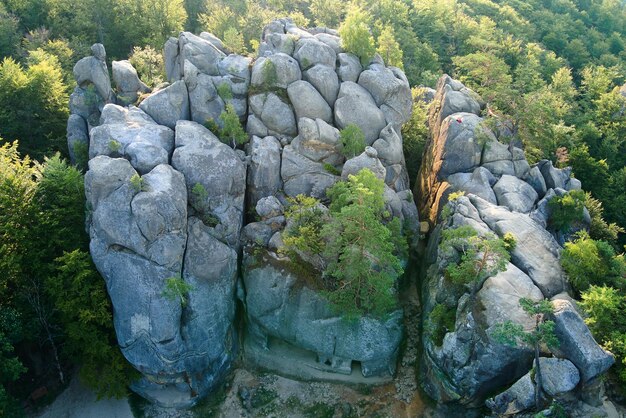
column 501, row 195
column 169, row 201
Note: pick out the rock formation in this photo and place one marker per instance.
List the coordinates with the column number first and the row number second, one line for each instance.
column 168, row 201
column 502, row 195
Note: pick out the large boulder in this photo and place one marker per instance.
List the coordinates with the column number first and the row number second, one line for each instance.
column 275, row 71
column 215, row 179
column 169, row 105
column 127, row 81
column 93, row 71
column 303, row 176
column 77, row 139
column 279, row 305
column 325, row 80
column 391, row 91
column 355, row 105
column 318, row 141
column 349, row 67
column 310, row 52
column 264, row 172
column 515, row 194
column 308, row 102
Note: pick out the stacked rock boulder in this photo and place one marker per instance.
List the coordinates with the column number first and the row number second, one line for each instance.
column 502, row 194
column 304, row 89
column 168, row 201
column 166, row 207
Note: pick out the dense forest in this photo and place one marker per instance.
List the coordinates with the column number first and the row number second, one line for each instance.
column 550, row 72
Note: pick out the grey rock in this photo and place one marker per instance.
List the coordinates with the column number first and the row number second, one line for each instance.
column 173, row 70
column 498, row 159
column 98, row 51
column 237, row 67
column 355, row 105
column 310, row 52
column 332, row 41
column 276, row 242
column 577, row 344
column 541, row 214
column 391, row 92
column 308, row 102
column 364, row 161
column 349, row 67
column 479, row 182
column 204, row 160
column 269, row 207
column 325, row 80
column 169, row 105
column 573, row 184
column 91, row 70
column 459, row 149
column 264, row 171
column 278, row 117
column 204, row 102
column 214, row 40
column 389, row 146
column 536, row 252
column 77, row 139
column 558, row 375
column 277, row 42
column 518, row 398
column 280, row 306
column 152, row 144
column 126, row 79
column 255, row 127
column 257, row 233
column 303, row 176
column 200, row 52
column 554, row 177
column 397, row 177
column 515, row 194
column 86, row 103
column 275, row 71
column 318, row 141
column 535, row 179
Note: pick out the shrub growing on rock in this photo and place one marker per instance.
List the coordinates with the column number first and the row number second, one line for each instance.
column 353, row 140
column 566, row 210
column 232, row 131
column 355, row 34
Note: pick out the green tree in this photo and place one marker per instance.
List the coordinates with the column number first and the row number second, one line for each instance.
column 306, row 220
column 233, row 40
column 176, row 289
column 327, row 13
column 355, row 34
column 566, row 210
column 363, row 266
column 388, row 48
column 9, row 32
column 353, row 141
column 415, row 134
column 232, row 132
column 149, row 65
column 509, row 333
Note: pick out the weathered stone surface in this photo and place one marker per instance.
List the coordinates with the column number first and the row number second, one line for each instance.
column 331, row 40
column 558, row 375
column 203, row 54
column 126, row 79
column 389, row 146
column 535, row 179
column 269, row 207
column 169, row 105
column 219, row 171
column 275, row 71
column 515, row 194
column 204, row 102
column 536, row 252
column 278, row 116
column 93, row 70
column 355, row 105
column 276, row 42
column 349, row 67
column 318, row 141
column 391, row 91
column 325, row 80
column 264, row 172
column 516, row 399
column 310, row 52
column 577, row 344
column 367, row 159
column 308, row 102
column 303, row 176
column 214, row 40
column 278, row 306
column 479, row 182
column 133, row 134
column 554, row 177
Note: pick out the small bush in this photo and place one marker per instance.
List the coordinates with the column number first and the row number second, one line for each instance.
column 566, row 210
column 353, row 140
column 232, row 132
column 440, row 322
column 177, row 289
column 114, row 146
column 331, row 169
column 138, row 183
column 224, row 91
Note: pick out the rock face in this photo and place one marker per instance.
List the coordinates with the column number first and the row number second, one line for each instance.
column 169, row 201
column 502, row 195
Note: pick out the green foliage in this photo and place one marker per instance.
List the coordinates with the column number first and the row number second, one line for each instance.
column 81, row 154
column 331, row 169
column 114, row 145
column 306, row 220
column 176, row 289
column 588, row 262
column 415, row 134
column 510, row 333
column 149, row 65
column 81, row 298
column 355, row 34
column 440, row 321
column 363, row 266
column 233, row 40
column 600, row 229
column 199, row 192
column 138, row 183
column 232, row 132
column 33, row 105
column 480, row 257
column 566, row 210
column 353, row 140
column 224, row 91
column 9, row 34
column 388, row 48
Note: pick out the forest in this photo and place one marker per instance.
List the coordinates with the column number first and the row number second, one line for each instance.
column 550, row 71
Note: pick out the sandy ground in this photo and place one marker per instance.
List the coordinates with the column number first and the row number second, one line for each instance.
column 78, row 401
